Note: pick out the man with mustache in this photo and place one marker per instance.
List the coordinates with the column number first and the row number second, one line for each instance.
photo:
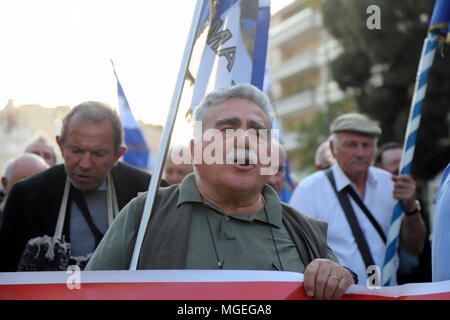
column 353, row 145
column 78, row 200
column 224, row 216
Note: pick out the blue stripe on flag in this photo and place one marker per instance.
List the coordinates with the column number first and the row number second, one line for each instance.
column 418, row 109
column 260, row 51
column 237, row 26
column 441, row 16
column 223, row 7
column 411, row 141
column 138, row 154
column 137, row 151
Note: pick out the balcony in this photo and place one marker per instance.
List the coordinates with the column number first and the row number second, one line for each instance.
column 306, row 61
column 300, row 103
column 308, row 100
column 293, row 66
column 299, row 25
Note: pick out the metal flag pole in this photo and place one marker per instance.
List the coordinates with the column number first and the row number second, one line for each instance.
column 167, row 134
column 426, row 61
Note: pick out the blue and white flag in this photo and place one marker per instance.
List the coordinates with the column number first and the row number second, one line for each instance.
column 138, row 154
column 438, row 29
column 440, row 20
column 231, row 41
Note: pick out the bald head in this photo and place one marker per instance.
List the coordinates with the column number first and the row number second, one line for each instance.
column 20, row 168
column 178, row 164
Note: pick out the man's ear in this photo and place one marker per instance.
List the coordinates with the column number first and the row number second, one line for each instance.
column 59, row 142
column 192, row 149
column 4, row 183
column 332, row 148
column 121, row 152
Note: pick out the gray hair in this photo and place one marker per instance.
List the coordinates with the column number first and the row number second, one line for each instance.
column 243, row 91
column 97, row 112
column 41, row 137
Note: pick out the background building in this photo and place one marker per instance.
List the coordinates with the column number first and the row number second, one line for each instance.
column 19, row 124
column 301, row 85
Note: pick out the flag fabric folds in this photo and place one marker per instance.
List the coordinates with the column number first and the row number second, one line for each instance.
column 440, row 20
column 138, row 154
column 230, row 47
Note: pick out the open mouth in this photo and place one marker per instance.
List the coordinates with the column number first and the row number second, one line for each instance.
column 82, row 177
column 242, row 158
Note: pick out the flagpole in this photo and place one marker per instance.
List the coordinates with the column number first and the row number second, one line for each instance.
column 166, row 136
column 426, row 61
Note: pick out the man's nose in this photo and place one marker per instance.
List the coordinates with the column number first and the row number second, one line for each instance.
column 241, row 139
column 86, row 161
column 360, row 150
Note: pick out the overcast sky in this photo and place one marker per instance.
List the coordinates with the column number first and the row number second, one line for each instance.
column 56, row 52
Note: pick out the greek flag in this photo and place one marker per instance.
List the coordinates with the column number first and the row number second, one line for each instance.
column 439, row 27
column 138, row 154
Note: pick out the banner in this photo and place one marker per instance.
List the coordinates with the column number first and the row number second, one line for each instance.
column 230, row 46
column 190, row 285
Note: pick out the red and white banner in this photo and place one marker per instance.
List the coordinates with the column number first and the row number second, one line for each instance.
column 190, row 285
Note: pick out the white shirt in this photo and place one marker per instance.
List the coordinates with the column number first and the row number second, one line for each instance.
column 441, row 234
column 315, row 197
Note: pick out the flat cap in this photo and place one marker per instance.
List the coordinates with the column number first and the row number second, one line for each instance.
column 355, row 122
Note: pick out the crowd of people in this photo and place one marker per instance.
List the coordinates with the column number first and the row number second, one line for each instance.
column 220, row 215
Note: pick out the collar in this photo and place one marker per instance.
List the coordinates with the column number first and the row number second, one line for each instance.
column 342, row 179
column 189, row 194
column 103, row 187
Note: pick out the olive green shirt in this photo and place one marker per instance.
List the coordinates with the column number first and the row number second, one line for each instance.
column 256, row 241
column 240, row 241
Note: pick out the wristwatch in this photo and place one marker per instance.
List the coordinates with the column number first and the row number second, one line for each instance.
column 417, row 209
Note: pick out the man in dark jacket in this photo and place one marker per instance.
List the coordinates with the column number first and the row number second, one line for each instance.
column 72, row 203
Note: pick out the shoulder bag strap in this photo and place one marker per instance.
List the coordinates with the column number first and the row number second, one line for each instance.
column 352, row 221
column 367, row 212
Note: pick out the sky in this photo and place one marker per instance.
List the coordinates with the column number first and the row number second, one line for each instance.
column 57, row 52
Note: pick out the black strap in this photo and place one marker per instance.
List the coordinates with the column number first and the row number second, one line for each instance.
column 81, row 204
column 352, row 221
column 368, row 214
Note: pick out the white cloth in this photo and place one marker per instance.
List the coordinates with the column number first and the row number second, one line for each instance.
column 315, row 197
column 441, row 234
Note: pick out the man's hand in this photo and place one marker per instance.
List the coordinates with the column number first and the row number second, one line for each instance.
column 325, row 279
column 405, row 191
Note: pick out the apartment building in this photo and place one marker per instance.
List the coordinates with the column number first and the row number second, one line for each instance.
column 300, row 50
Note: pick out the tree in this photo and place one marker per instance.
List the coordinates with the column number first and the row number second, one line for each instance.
column 380, row 66
column 314, row 130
